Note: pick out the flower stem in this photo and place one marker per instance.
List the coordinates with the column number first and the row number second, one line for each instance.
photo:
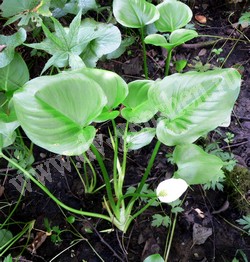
column 144, row 54
column 168, row 62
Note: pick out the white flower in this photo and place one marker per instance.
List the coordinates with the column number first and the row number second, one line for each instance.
column 171, row 189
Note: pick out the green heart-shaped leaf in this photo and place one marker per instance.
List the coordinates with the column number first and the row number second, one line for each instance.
column 55, row 111
column 14, row 75
column 173, row 15
column 196, row 166
column 138, row 108
column 134, row 13
column 194, row 103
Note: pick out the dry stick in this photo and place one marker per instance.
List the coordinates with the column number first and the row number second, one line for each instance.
column 208, row 43
column 105, row 243
column 234, row 145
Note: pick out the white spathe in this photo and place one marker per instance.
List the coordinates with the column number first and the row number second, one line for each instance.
column 171, row 189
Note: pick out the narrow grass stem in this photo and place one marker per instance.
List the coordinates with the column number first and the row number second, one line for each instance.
column 171, row 238
column 147, row 171
column 124, row 160
column 79, row 174
column 15, row 207
column 115, row 148
column 105, row 176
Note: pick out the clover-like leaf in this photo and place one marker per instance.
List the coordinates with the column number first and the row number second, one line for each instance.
column 196, row 166
column 138, row 107
column 173, row 15
column 194, row 103
column 55, row 111
column 134, row 13
column 9, row 44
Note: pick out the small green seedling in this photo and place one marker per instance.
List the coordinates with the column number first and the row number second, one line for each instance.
column 55, row 232
column 245, row 222
column 217, row 51
column 159, row 220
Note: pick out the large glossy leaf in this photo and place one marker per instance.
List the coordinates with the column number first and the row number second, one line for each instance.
column 195, row 166
column 173, row 15
column 55, row 111
column 14, row 75
column 10, row 43
column 176, row 38
column 104, row 39
column 134, row 13
column 194, row 103
column 138, row 108
column 114, row 87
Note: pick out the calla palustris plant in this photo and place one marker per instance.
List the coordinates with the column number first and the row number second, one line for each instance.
column 56, row 111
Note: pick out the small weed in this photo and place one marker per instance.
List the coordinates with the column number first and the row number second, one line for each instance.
column 245, row 222
column 55, row 230
column 160, row 220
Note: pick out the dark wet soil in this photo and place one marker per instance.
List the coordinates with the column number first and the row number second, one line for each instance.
column 142, row 239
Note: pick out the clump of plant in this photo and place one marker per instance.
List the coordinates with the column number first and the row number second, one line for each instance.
column 59, row 112
column 239, row 188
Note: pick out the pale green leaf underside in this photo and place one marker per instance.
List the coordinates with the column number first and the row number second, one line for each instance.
column 55, row 111
column 134, row 13
column 173, row 15
column 196, row 166
column 100, row 38
column 138, row 108
column 137, row 140
column 194, row 103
